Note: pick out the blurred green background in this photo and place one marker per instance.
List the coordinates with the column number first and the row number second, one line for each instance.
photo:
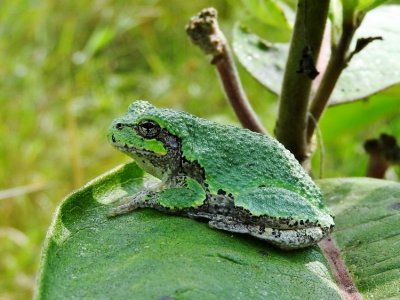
column 67, row 68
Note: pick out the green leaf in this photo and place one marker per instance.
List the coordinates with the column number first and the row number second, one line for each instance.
column 264, row 60
column 100, row 38
column 270, row 33
column 368, row 232
column 377, row 66
column 276, row 32
column 351, row 7
column 267, row 11
column 366, row 5
column 373, row 69
column 150, row 255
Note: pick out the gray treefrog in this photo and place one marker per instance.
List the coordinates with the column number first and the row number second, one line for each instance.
column 237, row 180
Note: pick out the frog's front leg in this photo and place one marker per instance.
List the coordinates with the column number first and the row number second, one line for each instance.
column 139, row 200
column 178, row 194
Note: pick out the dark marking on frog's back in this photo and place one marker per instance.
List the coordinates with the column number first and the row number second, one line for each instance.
column 221, row 192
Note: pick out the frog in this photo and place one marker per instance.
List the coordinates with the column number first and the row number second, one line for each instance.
column 232, row 178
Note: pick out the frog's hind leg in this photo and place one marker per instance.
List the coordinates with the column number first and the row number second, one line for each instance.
column 228, row 224
column 289, row 239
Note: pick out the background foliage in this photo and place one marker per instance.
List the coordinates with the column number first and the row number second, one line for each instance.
column 67, row 68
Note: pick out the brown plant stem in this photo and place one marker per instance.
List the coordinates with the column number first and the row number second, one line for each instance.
column 377, row 166
column 383, row 152
column 204, row 32
column 339, row 269
column 307, row 34
column 337, row 63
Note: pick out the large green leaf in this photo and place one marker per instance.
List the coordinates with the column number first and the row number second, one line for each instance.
column 149, row 255
column 368, row 232
column 377, row 66
column 373, row 69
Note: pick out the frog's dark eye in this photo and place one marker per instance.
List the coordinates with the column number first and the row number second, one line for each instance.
column 148, row 129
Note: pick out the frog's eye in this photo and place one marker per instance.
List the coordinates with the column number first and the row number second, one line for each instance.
column 148, row 129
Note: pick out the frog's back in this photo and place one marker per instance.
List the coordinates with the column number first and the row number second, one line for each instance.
column 236, row 159
column 249, row 160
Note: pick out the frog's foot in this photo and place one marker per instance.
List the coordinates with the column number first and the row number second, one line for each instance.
column 129, row 204
column 289, row 239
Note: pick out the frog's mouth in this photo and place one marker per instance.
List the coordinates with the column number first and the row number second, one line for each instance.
column 129, row 149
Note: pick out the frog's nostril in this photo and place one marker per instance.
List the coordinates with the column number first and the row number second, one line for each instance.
column 113, row 138
column 119, row 126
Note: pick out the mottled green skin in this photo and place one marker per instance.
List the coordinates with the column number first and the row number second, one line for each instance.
column 263, row 177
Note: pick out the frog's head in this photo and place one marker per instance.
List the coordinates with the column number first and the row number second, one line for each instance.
column 142, row 134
